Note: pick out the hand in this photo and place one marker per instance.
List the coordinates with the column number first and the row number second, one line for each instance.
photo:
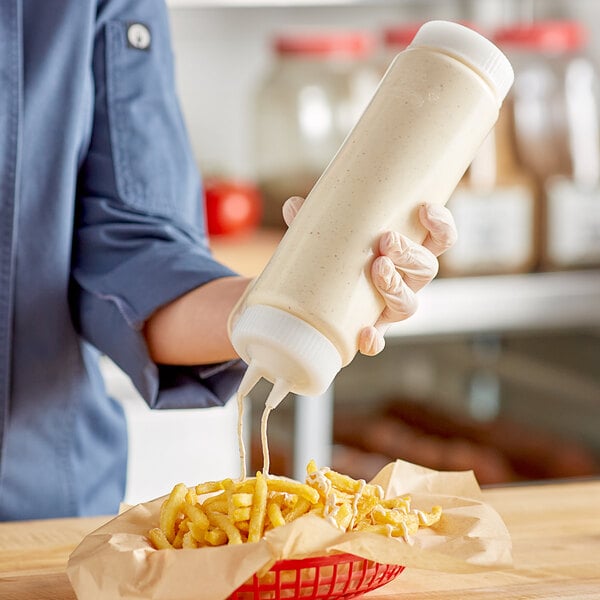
column 401, row 269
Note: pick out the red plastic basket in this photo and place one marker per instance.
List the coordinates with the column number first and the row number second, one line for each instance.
column 320, row 578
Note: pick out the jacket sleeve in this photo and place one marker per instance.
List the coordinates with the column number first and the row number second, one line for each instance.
column 139, row 238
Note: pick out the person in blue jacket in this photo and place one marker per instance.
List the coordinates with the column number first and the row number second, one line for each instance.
column 103, row 250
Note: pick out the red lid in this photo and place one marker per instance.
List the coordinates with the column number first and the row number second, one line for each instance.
column 325, row 43
column 555, row 36
column 400, row 36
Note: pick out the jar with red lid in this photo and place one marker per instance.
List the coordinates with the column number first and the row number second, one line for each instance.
column 496, row 209
column 395, row 39
column 317, row 87
column 557, row 123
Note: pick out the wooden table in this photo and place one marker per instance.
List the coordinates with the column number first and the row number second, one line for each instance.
column 555, row 530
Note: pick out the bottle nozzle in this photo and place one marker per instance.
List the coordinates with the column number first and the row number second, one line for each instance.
column 279, row 391
column 249, row 380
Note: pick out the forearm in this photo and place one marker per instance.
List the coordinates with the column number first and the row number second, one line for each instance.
column 192, row 329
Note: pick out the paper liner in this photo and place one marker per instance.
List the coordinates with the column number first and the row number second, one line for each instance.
column 116, row 561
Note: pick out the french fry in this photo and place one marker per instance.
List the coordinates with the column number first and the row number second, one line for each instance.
column 259, row 509
column 401, row 503
column 311, row 467
column 396, row 518
column 386, row 530
column 222, row 497
column 222, row 522
column 301, row 507
column 246, row 486
column 364, row 506
column 317, row 509
column 198, row 531
column 182, row 529
column 234, row 512
column 275, row 515
column 191, row 497
column 215, row 537
column 428, row 519
column 285, row 500
column 189, row 541
column 343, row 483
column 240, row 514
column 159, row 539
column 221, row 506
column 171, row 509
column 303, row 490
column 208, row 487
column 343, row 516
column 196, row 515
column 241, row 500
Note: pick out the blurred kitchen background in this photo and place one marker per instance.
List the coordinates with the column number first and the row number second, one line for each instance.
column 499, row 371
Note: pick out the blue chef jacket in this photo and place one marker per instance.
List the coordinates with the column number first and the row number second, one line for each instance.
column 100, row 223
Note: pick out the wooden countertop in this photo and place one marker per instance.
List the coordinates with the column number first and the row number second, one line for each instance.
column 247, row 254
column 555, row 530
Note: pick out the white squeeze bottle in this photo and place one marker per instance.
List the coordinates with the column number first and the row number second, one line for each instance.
column 298, row 323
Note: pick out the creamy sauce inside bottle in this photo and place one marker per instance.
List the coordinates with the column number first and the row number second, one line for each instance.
column 412, row 145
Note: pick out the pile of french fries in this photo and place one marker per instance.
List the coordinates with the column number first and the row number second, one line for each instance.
column 235, row 512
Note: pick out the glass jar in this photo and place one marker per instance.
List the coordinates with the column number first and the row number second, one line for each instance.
column 557, row 123
column 318, row 86
column 495, row 207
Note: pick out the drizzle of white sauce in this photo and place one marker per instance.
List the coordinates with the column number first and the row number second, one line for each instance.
column 240, row 433
column 406, row 535
column 264, row 441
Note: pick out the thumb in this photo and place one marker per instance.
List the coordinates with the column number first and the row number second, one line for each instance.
column 290, row 209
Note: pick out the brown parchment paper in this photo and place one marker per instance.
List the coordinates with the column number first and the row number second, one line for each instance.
column 116, row 561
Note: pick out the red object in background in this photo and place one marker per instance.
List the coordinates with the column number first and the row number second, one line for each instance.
column 232, row 207
column 548, row 36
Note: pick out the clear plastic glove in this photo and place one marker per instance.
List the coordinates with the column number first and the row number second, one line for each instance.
column 401, row 269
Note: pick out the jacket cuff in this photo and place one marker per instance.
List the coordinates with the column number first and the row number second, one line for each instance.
column 113, row 324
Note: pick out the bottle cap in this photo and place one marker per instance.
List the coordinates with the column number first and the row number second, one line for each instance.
column 471, row 48
column 398, row 37
column 280, row 346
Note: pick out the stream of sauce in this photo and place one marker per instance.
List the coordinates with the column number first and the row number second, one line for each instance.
column 279, row 391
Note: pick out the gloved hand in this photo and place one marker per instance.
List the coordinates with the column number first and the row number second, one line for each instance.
column 402, row 268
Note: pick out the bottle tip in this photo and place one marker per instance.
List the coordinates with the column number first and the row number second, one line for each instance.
column 251, row 377
column 280, row 390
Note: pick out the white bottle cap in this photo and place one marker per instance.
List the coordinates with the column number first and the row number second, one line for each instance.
column 471, row 48
column 280, row 346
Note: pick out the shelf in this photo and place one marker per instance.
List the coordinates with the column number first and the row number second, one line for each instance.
column 503, row 303
column 531, row 302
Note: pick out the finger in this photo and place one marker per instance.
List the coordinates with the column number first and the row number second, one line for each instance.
column 400, row 300
column 290, row 209
column 439, row 222
column 370, row 341
column 416, row 263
